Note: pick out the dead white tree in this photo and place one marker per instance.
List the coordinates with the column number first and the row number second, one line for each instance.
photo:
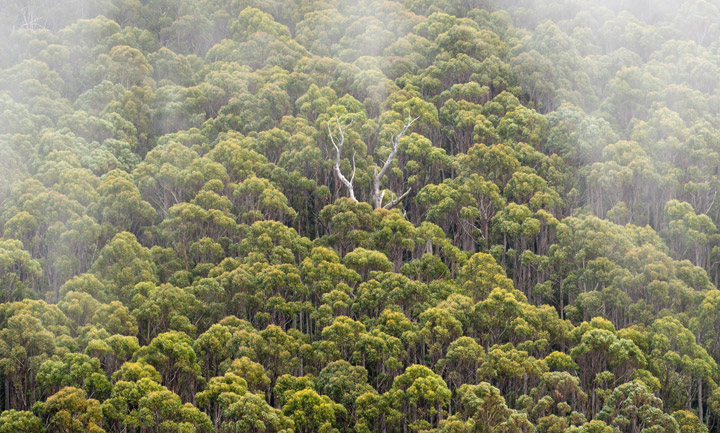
column 378, row 195
column 338, row 149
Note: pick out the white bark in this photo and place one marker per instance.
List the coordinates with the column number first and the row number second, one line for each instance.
column 338, row 151
column 377, row 195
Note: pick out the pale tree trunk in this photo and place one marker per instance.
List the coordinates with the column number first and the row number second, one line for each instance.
column 338, row 150
column 377, row 195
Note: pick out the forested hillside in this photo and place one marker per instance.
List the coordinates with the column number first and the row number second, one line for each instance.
column 359, row 216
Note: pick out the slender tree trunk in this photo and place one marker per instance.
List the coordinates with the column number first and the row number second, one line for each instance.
column 700, row 401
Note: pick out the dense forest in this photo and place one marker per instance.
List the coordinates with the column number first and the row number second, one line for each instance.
column 359, row 216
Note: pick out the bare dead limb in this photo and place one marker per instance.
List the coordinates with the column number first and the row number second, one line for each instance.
column 378, row 195
column 338, row 151
column 395, row 142
column 397, row 201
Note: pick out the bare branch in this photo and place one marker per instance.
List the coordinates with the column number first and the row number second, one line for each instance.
column 332, row 139
column 395, row 142
column 338, row 151
column 711, row 203
column 353, row 173
column 397, row 201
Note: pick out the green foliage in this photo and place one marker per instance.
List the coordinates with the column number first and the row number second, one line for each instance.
column 20, row 421
column 179, row 250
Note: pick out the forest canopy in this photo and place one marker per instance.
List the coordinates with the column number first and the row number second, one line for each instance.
column 417, row 216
